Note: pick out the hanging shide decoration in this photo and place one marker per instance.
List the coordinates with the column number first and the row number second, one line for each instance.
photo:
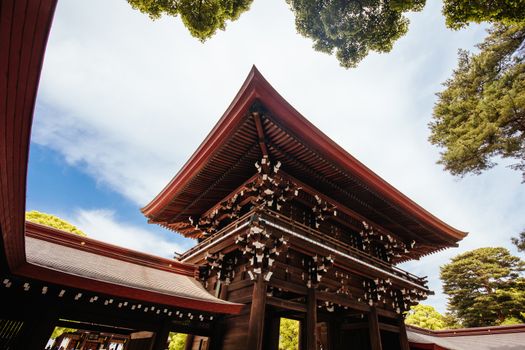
column 412, row 297
column 381, row 291
column 328, row 305
column 316, row 268
column 222, row 264
column 260, row 248
column 271, row 189
column 322, row 210
column 377, row 290
column 398, row 303
column 344, row 280
column 370, row 294
column 93, row 299
column 268, row 189
column 393, row 248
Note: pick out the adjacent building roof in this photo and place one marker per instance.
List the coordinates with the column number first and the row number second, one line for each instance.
column 79, row 262
column 50, row 255
column 24, row 28
column 479, row 338
column 260, row 121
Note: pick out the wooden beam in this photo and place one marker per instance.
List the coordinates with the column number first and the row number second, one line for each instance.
column 387, row 313
column 342, row 300
column 94, row 327
column 311, row 320
column 257, row 313
column 239, row 284
column 288, row 286
column 388, row 327
column 286, row 304
column 373, row 330
column 260, row 133
column 354, row 326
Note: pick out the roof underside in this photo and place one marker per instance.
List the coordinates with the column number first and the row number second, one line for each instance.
column 226, row 159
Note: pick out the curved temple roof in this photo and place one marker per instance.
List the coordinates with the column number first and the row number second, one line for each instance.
column 260, row 120
column 479, row 338
column 80, row 262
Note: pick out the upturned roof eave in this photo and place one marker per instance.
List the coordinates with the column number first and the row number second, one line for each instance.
column 256, row 87
column 229, row 120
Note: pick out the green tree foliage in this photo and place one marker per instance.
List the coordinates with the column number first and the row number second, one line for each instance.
column 425, row 316
column 177, row 341
column 519, row 241
column 352, row 29
column 52, row 221
column 510, row 321
column 289, row 334
column 58, row 331
column 459, row 13
column 485, row 286
column 202, row 17
column 481, row 113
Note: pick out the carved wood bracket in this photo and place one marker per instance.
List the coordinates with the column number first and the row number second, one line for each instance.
column 260, row 247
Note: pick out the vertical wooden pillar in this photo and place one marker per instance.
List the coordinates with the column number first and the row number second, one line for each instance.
column 161, row 336
column 224, row 291
column 311, row 320
column 403, row 338
column 272, row 332
column 216, row 338
column 189, row 342
column 373, row 330
column 333, row 334
column 257, row 313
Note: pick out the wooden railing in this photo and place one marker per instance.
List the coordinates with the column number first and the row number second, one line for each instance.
column 209, row 241
column 305, row 231
column 340, row 246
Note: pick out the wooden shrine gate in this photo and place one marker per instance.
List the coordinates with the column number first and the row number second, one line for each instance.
column 290, row 224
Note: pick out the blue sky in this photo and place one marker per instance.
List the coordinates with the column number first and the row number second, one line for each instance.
column 124, row 101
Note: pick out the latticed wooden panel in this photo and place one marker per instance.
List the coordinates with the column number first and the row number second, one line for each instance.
column 9, row 331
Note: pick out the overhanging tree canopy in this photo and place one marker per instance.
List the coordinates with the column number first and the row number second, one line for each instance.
column 202, row 17
column 459, row 13
column 480, row 116
column 350, row 29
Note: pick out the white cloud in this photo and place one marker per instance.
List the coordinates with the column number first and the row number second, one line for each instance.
column 101, row 224
column 128, row 100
